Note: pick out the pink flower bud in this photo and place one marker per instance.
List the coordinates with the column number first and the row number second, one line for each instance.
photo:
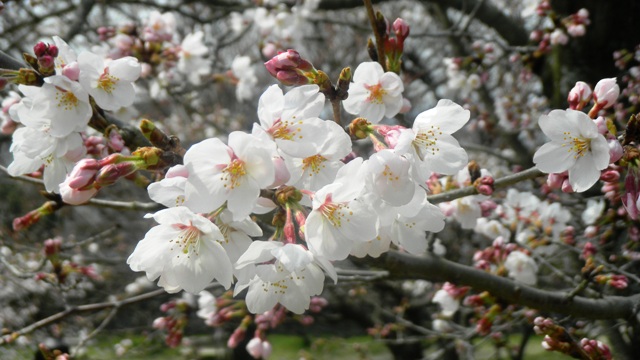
column 555, row 181
column 558, row 37
column 566, row 186
column 631, row 197
column 579, row 96
column 236, row 338
column 52, row 246
column 401, row 29
column 53, row 50
column 115, row 141
column 83, row 173
column 615, row 150
column 269, row 50
column 289, row 68
column 266, row 349
column 588, row 250
column 610, row 175
column 40, row 49
column 254, row 348
column 576, row 30
column 606, row 93
column 391, row 134
column 46, row 61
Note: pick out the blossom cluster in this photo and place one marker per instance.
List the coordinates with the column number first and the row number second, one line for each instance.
column 55, row 114
column 330, row 204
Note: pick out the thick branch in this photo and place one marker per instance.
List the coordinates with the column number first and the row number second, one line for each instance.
column 432, row 268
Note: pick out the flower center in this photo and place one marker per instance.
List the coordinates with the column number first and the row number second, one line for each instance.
column 233, row 173
column 314, row 163
column 389, row 174
column 66, row 99
column 577, row 145
column 376, row 93
column 426, row 140
column 188, row 239
column 284, row 131
column 333, row 212
column 107, row 82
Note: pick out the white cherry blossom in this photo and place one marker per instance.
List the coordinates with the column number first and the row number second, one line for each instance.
column 184, row 251
column 576, row 146
column 33, row 148
column 429, row 143
column 521, row 267
column 338, row 219
column 111, row 84
column 234, row 174
column 374, row 94
column 291, row 120
column 287, row 274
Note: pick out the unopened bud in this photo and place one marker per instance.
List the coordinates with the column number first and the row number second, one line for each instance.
column 360, row 128
column 401, row 29
column 579, row 96
column 606, row 93
column 40, row 49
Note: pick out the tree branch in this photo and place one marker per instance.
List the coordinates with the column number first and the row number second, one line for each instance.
column 503, row 182
column 432, row 268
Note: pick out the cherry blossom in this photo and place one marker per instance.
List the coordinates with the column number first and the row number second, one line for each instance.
column 234, row 174
column 292, row 121
column 429, row 143
column 521, row 267
column 184, row 251
column 284, row 273
column 111, row 85
column 575, row 146
column 338, row 219
column 374, row 94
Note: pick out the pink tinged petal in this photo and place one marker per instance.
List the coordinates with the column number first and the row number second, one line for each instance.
column 583, row 174
column 368, row 73
column 447, row 117
column 553, row 158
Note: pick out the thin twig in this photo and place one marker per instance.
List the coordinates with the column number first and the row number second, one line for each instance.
column 374, row 26
column 503, row 182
